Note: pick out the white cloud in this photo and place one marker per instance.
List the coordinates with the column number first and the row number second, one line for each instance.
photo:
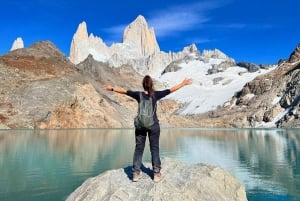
column 181, row 18
column 174, row 19
column 200, row 40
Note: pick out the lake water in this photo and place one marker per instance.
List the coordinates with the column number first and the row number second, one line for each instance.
column 46, row 165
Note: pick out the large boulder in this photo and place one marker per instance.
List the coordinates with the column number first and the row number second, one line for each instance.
column 181, row 182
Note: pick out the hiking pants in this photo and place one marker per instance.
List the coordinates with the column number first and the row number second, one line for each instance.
column 140, row 138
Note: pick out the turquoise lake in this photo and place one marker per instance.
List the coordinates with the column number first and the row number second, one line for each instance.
column 48, row 165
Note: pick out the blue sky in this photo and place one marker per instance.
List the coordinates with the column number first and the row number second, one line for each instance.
column 259, row 31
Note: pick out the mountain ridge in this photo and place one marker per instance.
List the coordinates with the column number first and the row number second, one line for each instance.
column 71, row 96
column 139, row 48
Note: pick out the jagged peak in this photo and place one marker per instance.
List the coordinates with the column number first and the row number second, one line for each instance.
column 82, row 32
column 140, row 20
column 215, row 53
column 138, row 35
column 295, row 56
column 190, row 49
column 17, row 44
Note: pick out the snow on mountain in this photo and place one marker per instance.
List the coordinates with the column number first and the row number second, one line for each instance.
column 139, row 48
column 208, row 91
column 215, row 75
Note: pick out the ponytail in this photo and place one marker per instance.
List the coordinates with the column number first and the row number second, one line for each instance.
column 148, row 85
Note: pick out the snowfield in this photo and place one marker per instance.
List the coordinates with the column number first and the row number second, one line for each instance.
column 207, row 92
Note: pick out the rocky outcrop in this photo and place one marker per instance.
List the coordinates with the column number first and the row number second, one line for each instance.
column 221, row 67
column 181, row 182
column 251, row 67
column 138, row 36
column 215, row 54
column 18, row 44
column 295, row 56
column 291, row 100
column 82, row 45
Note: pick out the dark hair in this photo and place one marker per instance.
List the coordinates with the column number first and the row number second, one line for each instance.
column 148, row 85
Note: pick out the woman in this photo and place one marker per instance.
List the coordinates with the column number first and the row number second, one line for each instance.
column 154, row 131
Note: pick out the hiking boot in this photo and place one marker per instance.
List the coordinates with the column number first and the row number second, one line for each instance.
column 136, row 176
column 157, row 177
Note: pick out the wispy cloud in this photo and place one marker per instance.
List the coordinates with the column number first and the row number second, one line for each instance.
column 200, row 40
column 175, row 19
column 181, row 18
column 244, row 26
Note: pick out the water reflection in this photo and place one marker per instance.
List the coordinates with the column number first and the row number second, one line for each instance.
column 50, row 164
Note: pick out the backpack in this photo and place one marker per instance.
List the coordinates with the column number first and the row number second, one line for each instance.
column 144, row 118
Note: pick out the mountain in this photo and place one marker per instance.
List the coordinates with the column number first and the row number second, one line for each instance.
column 269, row 100
column 82, row 45
column 42, row 88
column 139, row 48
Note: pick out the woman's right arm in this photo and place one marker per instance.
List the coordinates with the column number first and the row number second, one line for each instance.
column 186, row 81
column 115, row 89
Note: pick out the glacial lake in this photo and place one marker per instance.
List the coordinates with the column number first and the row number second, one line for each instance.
column 48, row 165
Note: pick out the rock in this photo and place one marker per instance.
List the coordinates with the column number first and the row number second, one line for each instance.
column 172, row 67
column 2, row 126
column 295, row 56
column 221, row 67
column 272, row 113
column 182, row 182
column 215, row 54
column 217, row 80
column 191, row 49
column 18, row 44
column 249, row 66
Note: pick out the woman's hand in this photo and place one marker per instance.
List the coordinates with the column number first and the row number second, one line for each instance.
column 108, row 87
column 187, row 81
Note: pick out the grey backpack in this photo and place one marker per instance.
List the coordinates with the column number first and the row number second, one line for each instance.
column 144, row 118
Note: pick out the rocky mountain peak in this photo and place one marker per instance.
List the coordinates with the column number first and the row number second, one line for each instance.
column 190, row 49
column 138, row 35
column 216, row 54
column 81, row 32
column 83, row 44
column 295, row 56
column 18, row 44
column 44, row 49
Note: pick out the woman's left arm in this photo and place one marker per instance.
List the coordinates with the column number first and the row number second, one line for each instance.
column 115, row 89
column 186, row 81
